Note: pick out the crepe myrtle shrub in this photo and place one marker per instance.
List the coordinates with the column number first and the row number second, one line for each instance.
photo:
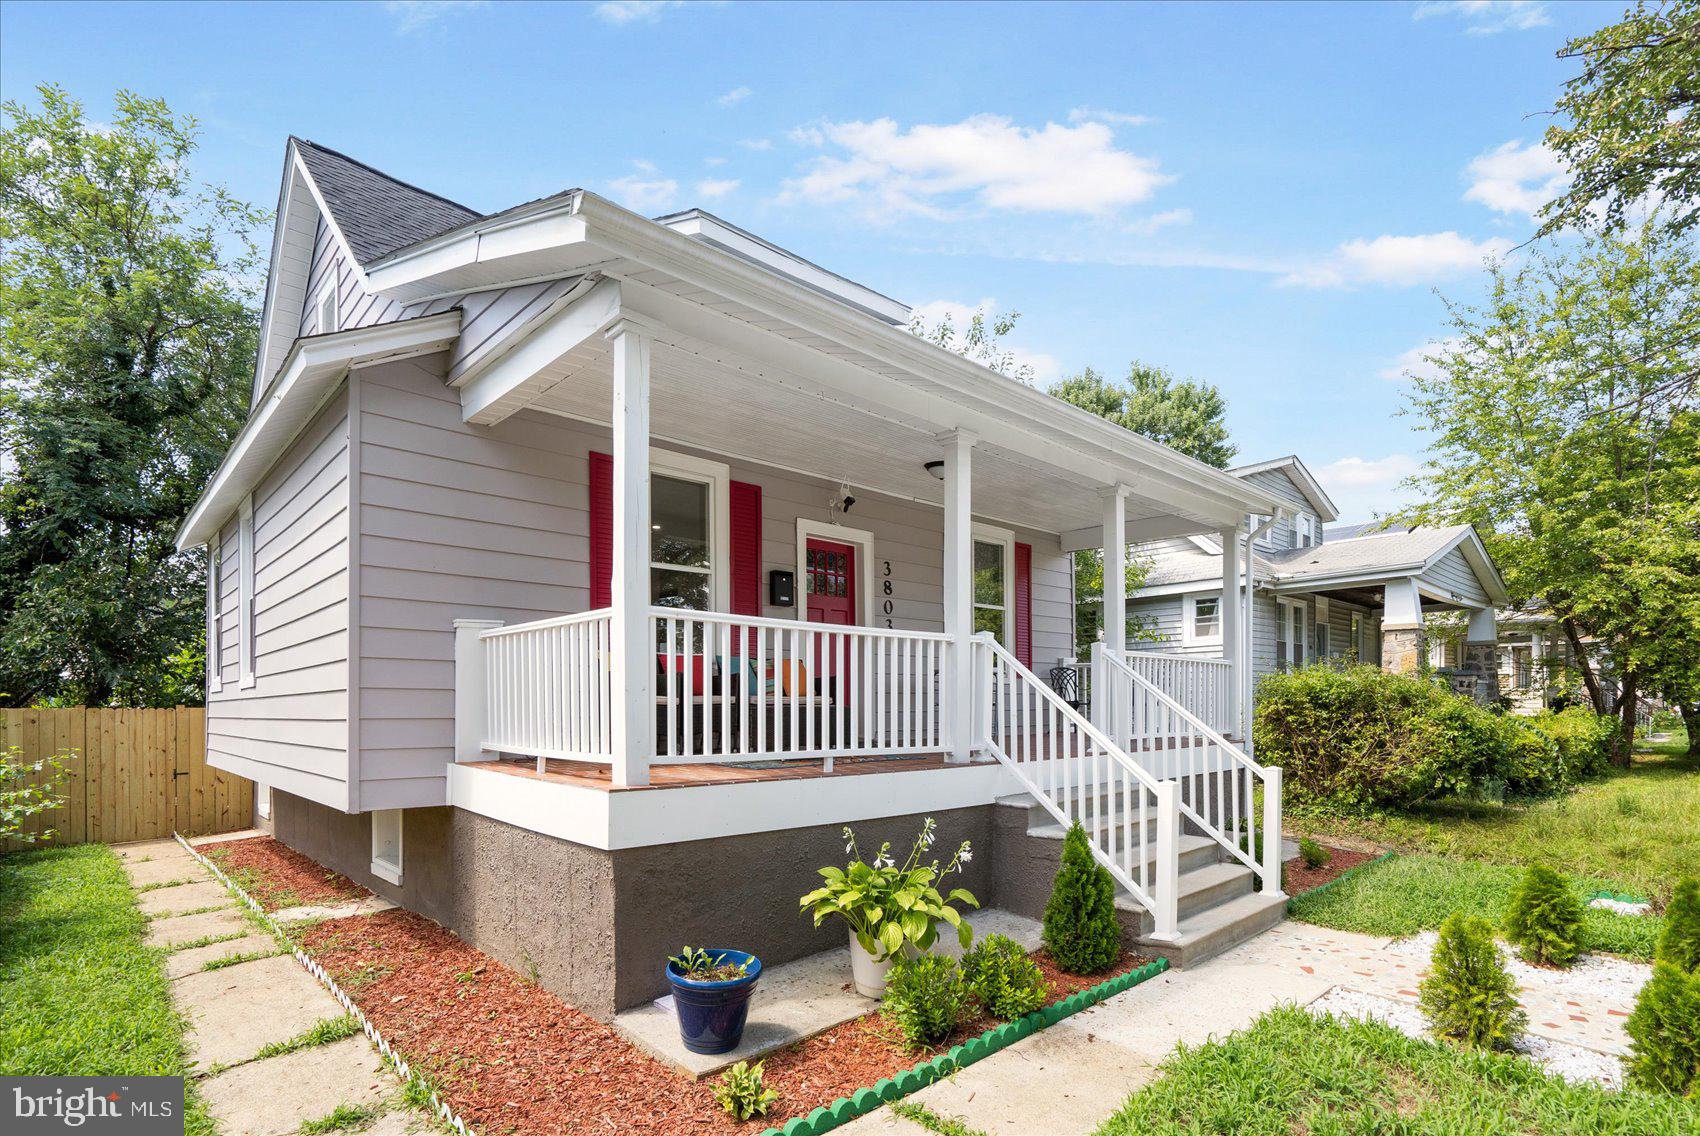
column 1008, row 983
column 925, row 998
column 1544, row 918
column 1468, row 996
column 743, row 1092
column 894, row 907
column 1081, row 930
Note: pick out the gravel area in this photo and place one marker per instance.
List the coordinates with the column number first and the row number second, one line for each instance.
column 1593, row 978
column 1621, row 906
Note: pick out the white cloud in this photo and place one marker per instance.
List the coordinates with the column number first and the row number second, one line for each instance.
column 1114, row 118
column 1515, row 178
column 1045, row 368
column 1145, row 226
column 717, row 187
column 1399, row 261
column 714, row 161
column 635, row 11
column 1414, row 362
column 757, row 144
column 1488, row 17
column 1367, row 487
column 733, row 97
column 985, row 160
column 645, row 195
column 414, row 15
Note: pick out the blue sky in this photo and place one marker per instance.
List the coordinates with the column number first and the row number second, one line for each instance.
column 1262, row 196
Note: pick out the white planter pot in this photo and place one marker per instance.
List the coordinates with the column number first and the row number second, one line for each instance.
column 869, row 976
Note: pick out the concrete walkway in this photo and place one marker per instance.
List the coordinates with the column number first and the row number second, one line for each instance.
column 238, row 1009
column 1065, row 1081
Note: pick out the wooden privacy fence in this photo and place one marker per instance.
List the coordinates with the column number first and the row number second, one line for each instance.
column 129, row 774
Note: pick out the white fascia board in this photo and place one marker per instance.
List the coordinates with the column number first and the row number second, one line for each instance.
column 487, row 397
column 1487, row 573
column 1308, row 484
column 1358, row 578
column 315, row 366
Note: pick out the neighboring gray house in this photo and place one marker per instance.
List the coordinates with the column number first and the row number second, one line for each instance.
column 578, row 576
column 1345, row 593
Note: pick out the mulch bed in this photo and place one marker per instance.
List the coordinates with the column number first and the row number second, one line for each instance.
column 1301, row 879
column 278, row 876
column 512, row 1057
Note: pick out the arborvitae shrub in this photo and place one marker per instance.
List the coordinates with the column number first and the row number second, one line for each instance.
column 1664, row 1032
column 1679, row 942
column 1544, row 921
column 1008, row 983
column 1313, row 854
column 1081, row 931
column 925, row 997
column 1468, row 996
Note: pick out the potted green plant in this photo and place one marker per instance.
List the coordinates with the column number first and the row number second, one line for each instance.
column 891, row 909
column 711, row 995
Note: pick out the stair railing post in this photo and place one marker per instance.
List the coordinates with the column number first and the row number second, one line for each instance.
column 1167, row 900
column 1271, row 884
column 1097, row 699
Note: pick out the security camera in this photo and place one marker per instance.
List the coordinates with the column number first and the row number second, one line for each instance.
column 848, row 501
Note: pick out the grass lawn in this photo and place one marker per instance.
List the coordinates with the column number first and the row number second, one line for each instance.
column 1293, row 1072
column 84, row 995
column 1635, row 827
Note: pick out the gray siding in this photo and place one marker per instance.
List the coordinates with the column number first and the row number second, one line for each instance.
column 1277, row 482
column 460, row 521
column 1453, row 572
column 290, row 729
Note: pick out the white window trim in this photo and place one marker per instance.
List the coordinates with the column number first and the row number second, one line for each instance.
column 1292, row 627
column 991, row 534
column 245, row 591
column 215, row 615
column 327, row 310
column 1324, row 640
column 864, row 542
column 1189, row 606
column 718, row 477
column 384, row 869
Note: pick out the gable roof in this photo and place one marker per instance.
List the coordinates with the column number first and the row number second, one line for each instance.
column 377, row 213
column 1301, row 477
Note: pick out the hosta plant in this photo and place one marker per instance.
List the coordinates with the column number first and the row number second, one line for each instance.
column 891, row 907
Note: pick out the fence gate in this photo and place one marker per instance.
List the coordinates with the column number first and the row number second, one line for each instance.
column 129, row 774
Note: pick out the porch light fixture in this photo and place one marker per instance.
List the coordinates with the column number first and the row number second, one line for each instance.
column 936, row 468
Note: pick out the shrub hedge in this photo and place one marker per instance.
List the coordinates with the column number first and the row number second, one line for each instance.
column 1354, row 738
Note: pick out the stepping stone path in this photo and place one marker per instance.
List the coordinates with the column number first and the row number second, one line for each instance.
column 235, row 1011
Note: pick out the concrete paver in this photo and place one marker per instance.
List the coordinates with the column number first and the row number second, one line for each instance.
column 184, row 897
column 236, row 1011
column 369, row 905
column 146, row 849
column 162, row 870
column 274, row 1096
column 173, row 930
column 181, row 963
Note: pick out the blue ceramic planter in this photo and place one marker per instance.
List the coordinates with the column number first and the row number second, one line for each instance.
column 711, row 1014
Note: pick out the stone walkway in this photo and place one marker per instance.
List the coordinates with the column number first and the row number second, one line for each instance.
column 1065, row 1081
column 237, row 1009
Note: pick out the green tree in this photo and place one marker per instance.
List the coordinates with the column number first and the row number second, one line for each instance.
column 1627, row 130
column 981, row 340
column 127, row 338
column 1562, row 425
column 1544, row 918
column 1080, row 929
column 1183, row 414
column 1468, row 996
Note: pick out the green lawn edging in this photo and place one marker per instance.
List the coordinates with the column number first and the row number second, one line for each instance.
column 977, row 1048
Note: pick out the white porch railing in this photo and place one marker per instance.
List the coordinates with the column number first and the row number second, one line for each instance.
column 739, row 688
column 1202, row 684
column 548, row 687
column 1218, row 783
column 1077, row 773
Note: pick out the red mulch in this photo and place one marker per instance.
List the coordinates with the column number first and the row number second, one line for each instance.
column 513, row 1057
column 278, row 876
column 1301, row 879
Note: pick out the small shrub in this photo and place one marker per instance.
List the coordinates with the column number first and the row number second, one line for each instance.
column 1007, row 982
column 925, row 998
column 1468, row 996
column 1544, row 918
column 1313, row 854
column 1679, row 942
column 1664, row 1032
column 1081, row 930
column 743, row 1092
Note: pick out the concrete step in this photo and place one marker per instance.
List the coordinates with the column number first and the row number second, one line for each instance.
column 1206, row 934
column 1195, row 851
column 1203, row 888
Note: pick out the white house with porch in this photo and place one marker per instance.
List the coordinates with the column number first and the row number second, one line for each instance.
column 578, row 576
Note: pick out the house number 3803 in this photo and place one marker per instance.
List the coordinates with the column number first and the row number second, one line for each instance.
column 886, row 605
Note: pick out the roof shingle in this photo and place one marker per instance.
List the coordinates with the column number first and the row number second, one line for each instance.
column 377, row 213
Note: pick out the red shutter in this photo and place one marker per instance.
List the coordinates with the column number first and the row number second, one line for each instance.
column 745, row 557
column 1024, row 604
column 601, row 530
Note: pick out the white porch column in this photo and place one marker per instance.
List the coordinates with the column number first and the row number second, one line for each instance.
column 959, row 591
column 632, row 666
column 472, row 702
column 1115, row 570
column 1402, row 640
column 1230, row 625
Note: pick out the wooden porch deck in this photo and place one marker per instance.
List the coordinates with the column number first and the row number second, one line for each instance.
column 594, row 775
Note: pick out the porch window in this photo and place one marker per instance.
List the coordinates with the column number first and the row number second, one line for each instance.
column 991, row 589
column 1203, row 620
column 681, row 566
column 1323, row 648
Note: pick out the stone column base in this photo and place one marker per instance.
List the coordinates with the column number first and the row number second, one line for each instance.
column 1482, row 661
column 1402, row 649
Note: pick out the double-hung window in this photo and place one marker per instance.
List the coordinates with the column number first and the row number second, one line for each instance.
column 1290, row 627
column 994, row 571
column 1202, row 621
column 687, row 532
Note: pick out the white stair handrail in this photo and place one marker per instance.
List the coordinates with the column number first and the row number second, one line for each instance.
column 1078, row 774
column 1220, row 816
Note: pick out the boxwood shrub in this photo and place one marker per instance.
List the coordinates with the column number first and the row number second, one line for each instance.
column 1354, row 738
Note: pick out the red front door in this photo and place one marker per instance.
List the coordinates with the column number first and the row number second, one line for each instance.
column 830, row 579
